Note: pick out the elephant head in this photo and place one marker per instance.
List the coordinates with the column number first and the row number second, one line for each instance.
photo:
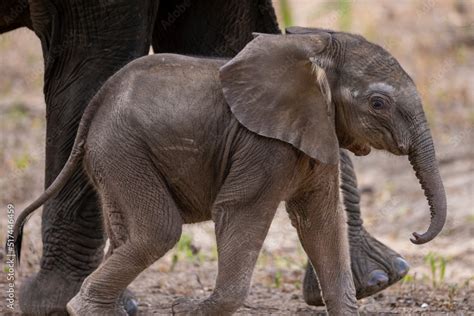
column 320, row 90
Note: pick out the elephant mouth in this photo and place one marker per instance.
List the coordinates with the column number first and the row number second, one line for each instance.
column 388, row 142
column 359, row 149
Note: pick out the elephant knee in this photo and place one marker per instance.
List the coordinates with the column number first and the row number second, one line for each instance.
column 154, row 247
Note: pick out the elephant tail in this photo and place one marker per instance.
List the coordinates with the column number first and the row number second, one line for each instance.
column 68, row 170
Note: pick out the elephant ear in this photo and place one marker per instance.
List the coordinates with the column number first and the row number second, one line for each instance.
column 276, row 88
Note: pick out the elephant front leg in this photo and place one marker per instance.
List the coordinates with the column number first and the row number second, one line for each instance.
column 242, row 214
column 240, row 235
column 321, row 227
column 374, row 265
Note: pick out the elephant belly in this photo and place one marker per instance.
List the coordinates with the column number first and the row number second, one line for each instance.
column 188, row 176
column 194, row 164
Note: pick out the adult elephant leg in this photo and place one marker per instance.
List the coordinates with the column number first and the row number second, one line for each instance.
column 374, row 265
column 84, row 43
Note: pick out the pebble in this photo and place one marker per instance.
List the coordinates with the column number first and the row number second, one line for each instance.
column 424, row 305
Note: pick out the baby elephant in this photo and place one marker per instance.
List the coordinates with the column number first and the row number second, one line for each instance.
column 172, row 140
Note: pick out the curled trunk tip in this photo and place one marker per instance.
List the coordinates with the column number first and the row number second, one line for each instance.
column 423, row 159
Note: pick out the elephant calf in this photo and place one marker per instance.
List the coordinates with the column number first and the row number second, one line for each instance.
column 172, row 140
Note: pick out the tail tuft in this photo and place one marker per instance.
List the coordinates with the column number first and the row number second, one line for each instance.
column 17, row 243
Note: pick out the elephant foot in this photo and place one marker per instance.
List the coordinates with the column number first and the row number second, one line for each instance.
column 82, row 306
column 374, row 268
column 48, row 294
column 190, row 307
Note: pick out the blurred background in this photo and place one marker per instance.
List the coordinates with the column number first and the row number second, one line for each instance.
column 434, row 42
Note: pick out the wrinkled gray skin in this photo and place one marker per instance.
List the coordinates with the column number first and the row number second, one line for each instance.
column 235, row 139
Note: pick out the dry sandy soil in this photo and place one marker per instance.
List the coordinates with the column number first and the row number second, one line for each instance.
column 433, row 40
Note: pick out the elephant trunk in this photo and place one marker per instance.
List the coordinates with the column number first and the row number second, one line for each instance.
column 423, row 159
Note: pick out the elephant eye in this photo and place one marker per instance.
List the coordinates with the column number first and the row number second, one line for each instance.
column 377, row 103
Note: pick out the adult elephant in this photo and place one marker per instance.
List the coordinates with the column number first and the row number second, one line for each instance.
column 84, row 43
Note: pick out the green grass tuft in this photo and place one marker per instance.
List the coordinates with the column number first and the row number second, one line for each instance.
column 438, row 264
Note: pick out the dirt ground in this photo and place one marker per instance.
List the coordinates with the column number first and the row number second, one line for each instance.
column 433, row 40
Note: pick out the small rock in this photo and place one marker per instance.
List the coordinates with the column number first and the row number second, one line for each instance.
column 367, row 190
column 379, row 296
column 424, row 305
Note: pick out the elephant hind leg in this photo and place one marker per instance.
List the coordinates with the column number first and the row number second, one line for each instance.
column 143, row 223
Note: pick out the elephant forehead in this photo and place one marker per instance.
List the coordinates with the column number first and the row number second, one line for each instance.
column 382, row 86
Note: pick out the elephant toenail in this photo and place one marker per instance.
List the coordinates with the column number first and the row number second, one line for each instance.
column 377, row 278
column 131, row 306
column 402, row 266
